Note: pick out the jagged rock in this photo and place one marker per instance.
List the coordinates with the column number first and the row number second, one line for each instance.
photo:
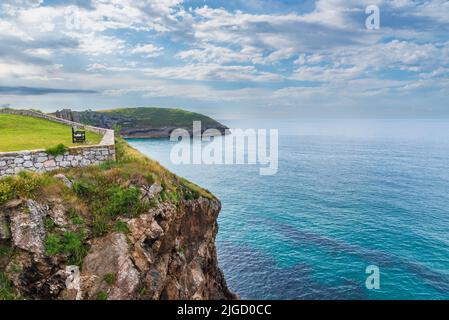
column 156, row 278
column 27, row 227
column 149, row 192
column 64, row 179
column 145, row 233
column 111, row 255
column 58, row 215
column 36, row 277
column 168, row 253
column 144, row 227
column 4, row 227
column 198, row 280
column 183, row 262
column 13, row 204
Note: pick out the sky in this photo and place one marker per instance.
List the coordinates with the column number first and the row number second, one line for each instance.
column 233, row 60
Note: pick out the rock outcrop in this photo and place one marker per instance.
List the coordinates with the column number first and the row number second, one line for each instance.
column 166, row 253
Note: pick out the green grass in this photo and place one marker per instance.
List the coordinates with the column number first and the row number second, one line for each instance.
column 110, row 278
column 160, row 117
column 69, row 243
column 102, row 295
column 121, row 226
column 27, row 133
column 57, row 150
column 6, row 289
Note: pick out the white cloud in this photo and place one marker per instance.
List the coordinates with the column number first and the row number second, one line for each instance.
column 95, row 45
column 40, row 52
column 212, row 71
column 148, row 50
column 327, row 45
column 196, row 92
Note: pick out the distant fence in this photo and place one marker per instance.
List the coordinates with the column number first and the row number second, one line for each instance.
column 39, row 161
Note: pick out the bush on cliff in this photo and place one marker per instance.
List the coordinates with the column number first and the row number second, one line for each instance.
column 57, row 150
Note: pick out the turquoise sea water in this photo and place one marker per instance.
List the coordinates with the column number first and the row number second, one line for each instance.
column 337, row 205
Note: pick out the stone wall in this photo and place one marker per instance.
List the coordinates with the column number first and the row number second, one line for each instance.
column 40, row 161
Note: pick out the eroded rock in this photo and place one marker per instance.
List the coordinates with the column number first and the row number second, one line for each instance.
column 4, row 227
column 168, row 253
column 149, row 192
column 64, row 179
column 27, row 227
column 58, row 215
column 111, row 255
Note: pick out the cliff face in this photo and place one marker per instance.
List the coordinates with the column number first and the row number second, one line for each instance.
column 109, row 233
column 168, row 253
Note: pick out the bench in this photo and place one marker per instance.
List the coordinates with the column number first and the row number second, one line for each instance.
column 78, row 136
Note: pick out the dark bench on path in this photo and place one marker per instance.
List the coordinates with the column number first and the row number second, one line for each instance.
column 78, row 136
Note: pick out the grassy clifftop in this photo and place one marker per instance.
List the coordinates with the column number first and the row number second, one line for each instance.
column 132, row 169
column 27, row 133
column 161, row 117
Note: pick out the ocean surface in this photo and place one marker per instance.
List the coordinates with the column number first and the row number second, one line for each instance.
column 339, row 203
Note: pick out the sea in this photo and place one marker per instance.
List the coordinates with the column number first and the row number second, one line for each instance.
column 349, row 196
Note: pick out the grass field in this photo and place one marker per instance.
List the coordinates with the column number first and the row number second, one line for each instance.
column 28, row 133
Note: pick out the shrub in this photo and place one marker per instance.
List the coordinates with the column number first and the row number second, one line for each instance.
column 108, row 165
column 75, row 218
column 6, row 192
column 73, row 244
column 100, row 225
column 122, row 201
column 121, row 226
column 49, row 224
column 57, row 150
column 69, row 243
column 53, row 244
column 6, row 289
column 102, row 295
column 83, row 188
column 110, row 278
column 27, row 183
column 5, row 251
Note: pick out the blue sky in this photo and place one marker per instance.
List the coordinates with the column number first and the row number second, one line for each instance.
column 232, row 59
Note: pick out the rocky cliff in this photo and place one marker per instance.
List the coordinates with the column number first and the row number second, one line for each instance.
column 124, row 230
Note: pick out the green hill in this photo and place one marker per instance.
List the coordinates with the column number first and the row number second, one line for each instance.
column 160, row 117
column 142, row 122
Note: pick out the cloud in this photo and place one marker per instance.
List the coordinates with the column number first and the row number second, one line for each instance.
column 94, row 44
column 40, row 91
column 212, row 71
column 265, row 53
column 148, row 50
